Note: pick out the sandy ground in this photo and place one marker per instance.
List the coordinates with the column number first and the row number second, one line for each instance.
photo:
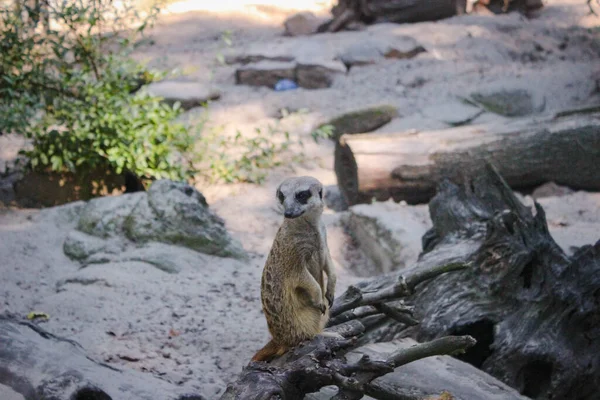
column 199, row 327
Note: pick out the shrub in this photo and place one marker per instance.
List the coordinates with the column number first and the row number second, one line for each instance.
column 68, row 87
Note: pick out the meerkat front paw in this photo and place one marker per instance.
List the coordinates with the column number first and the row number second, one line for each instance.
column 322, row 308
column 329, row 297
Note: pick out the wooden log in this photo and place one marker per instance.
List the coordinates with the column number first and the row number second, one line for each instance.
column 527, row 152
column 534, row 311
column 398, row 11
column 39, row 365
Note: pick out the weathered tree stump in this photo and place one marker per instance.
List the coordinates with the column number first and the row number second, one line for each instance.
column 534, row 311
column 39, row 365
column 321, row 362
column 527, row 152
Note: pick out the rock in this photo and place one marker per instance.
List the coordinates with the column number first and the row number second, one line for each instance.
column 103, row 217
column 388, row 233
column 255, row 58
column 188, row 94
column 454, row 113
column 170, row 212
column 361, row 121
column 265, row 73
column 508, row 102
column 302, row 23
column 79, row 246
column 318, row 75
column 309, row 76
column 550, row 189
column 372, row 51
column 434, row 375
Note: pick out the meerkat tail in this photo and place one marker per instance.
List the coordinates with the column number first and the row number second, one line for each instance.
column 270, row 351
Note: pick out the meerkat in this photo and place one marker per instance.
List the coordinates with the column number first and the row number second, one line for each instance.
column 298, row 280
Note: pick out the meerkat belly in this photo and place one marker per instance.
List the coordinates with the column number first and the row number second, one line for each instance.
column 303, row 322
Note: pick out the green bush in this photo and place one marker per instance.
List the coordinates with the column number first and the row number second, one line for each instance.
column 68, row 87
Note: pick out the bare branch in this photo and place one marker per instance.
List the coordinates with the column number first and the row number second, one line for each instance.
column 405, row 286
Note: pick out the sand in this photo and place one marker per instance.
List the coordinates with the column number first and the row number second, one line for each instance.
column 199, row 327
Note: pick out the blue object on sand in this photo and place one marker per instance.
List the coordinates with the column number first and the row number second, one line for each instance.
column 285, row 84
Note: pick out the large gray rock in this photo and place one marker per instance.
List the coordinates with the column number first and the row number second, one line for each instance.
column 188, row 94
column 170, row 212
column 177, row 213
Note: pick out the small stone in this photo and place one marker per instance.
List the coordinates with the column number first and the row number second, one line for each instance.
column 188, row 94
column 508, row 102
column 318, row 75
column 265, row 73
column 362, row 121
column 454, row 113
column 302, row 23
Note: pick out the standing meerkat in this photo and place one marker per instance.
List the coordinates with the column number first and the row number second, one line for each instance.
column 298, row 281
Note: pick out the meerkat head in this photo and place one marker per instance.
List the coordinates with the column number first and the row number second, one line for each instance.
column 301, row 196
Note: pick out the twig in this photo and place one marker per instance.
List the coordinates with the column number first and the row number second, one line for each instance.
column 405, row 286
column 397, row 315
column 443, row 346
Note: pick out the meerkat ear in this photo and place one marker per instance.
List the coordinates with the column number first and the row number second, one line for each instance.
column 321, row 194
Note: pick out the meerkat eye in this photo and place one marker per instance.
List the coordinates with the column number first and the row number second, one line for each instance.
column 280, row 196
column 303, row 196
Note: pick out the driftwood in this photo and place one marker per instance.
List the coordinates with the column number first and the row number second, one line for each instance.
column 39, row 365
column 321, row 362
column 528, row 152
column 534, row 311
column 373, row 11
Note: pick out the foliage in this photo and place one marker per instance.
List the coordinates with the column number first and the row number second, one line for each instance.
column 323, row 132
column 255, row 155
column 68, row 86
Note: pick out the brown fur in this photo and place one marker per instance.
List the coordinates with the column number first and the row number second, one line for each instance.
column 298, row 278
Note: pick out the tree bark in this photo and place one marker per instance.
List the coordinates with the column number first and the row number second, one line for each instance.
column 39, row 365
column 399, row 11
column 527, row 152
column 534, row 311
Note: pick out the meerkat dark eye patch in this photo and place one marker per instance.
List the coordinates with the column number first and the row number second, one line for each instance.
column 303, row 196
column 280, row 196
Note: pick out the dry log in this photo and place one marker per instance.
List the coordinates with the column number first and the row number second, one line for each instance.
column 527, row 152
column 373, row 11
column 39, row 365
column 534, row 311
column 321, row 362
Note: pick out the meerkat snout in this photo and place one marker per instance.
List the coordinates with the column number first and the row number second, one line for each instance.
column 301, row 196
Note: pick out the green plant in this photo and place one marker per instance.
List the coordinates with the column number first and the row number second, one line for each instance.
column 245, row 159
column 68, row 87
column 323, row 132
